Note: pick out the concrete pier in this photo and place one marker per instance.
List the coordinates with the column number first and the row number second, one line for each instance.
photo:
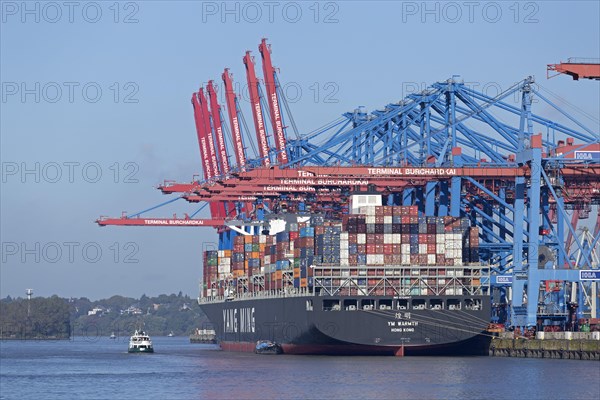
column 564, row 348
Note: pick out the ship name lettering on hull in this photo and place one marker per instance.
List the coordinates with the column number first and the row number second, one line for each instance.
column 241, row 320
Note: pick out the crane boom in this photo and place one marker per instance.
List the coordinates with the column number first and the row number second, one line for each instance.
column 212, row 154
column 215, row 109
column 585, row 68
column 160, row 222
column 230, row 99
column 269, row 74
column 259, row 124
column 206, row 165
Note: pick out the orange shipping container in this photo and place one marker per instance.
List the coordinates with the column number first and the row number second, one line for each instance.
column 303, row 282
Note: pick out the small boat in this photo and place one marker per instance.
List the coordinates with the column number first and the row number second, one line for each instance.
column 170, row 334
column 113, row 336
column 140, row 342
column 267, row 347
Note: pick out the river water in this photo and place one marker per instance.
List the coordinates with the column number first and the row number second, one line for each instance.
column 100, row 368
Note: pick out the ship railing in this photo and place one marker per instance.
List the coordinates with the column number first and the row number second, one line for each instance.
column 263, row 294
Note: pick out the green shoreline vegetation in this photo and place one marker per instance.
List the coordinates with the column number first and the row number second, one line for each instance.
column 62, row 318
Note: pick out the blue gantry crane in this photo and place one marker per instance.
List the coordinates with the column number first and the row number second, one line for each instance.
column 523, row 179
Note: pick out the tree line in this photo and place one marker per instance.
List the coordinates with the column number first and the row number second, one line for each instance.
column 61, row 318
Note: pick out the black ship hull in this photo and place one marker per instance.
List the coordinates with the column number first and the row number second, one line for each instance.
column 415, row 325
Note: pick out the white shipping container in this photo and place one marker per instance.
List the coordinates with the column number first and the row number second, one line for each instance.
column 423, row 292
column 268, row 259
column 396, row 238
column 344, row 236
column 344, row 245
column 422, row 249
column 375, row 259
column 221, row 253
column 431, row 259
column 459, row 273
column 450, row 291
column 458, row 262
column 387, row 219
column 405, row 259
column 344, row 262
column 224, row 269
column 387, row 238
column 448, row 253
column 440, row 248
column 225, row 261
column 370, row 219
column 405, row 249
column 366, row 210
column 459, row 291
column 440, row 238
column 344, row 253
column 361, row 238
column 441, row 281
column 292, row 246
column 450, row 272
column 262, row 239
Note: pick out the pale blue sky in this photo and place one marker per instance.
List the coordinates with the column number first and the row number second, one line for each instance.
column 372, row 52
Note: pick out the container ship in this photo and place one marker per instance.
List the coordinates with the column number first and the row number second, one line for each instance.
column 380, row 280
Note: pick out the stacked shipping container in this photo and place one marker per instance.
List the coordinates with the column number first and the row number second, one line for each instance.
column 378, row 236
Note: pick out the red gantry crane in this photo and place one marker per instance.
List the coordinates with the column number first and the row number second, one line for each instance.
column 259, row 122
column 586, row 68
column 273, row 100
column 215, row 110
column 232, row 111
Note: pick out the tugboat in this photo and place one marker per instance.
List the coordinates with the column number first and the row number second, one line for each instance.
column 267, row 347
column 140, row 342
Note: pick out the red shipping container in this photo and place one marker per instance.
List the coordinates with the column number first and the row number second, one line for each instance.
column 371, row 249
column 405, row 238
column 361, row 248
column 352, row 238
column 371, row 238
column 422, row 238
column 431, row 248
column 379, row 238
column 388, row 249
column 396, row 248
column 430, row 238
column 294, row 235
column 378, row 249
